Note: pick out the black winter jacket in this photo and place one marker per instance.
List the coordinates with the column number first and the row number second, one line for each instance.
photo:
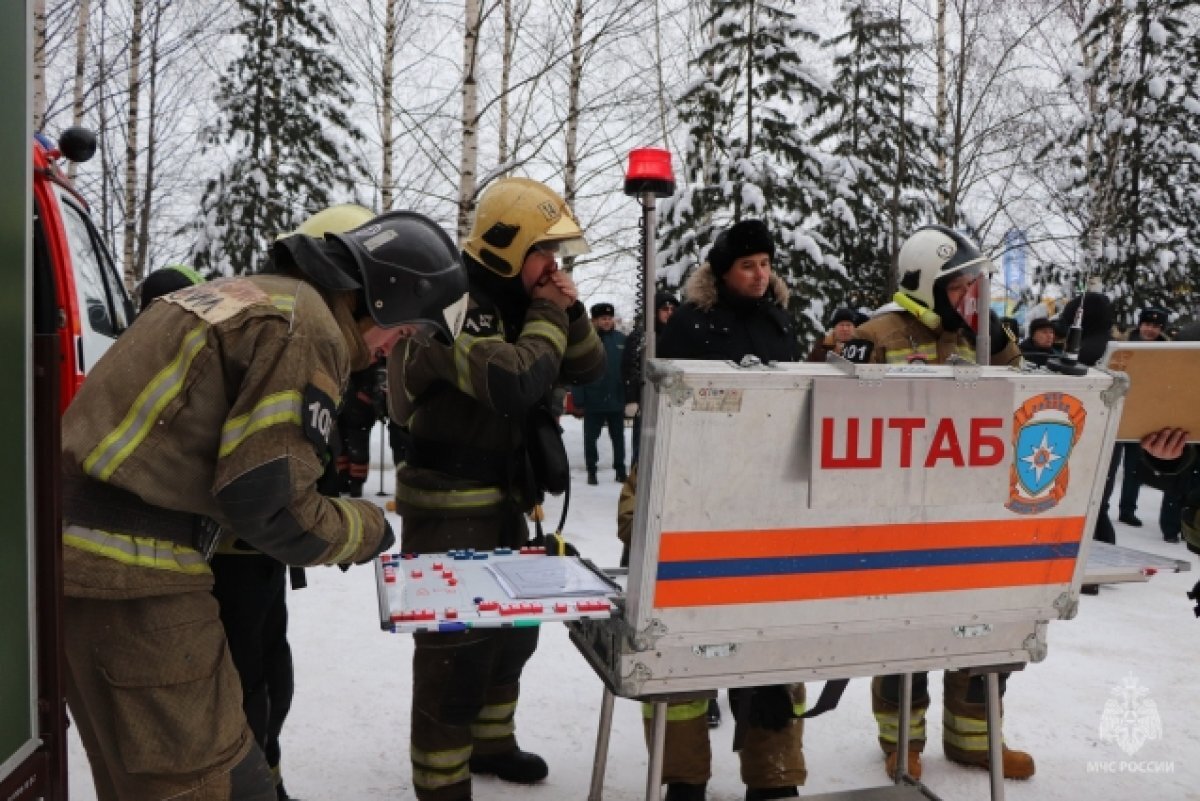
column 715, row 324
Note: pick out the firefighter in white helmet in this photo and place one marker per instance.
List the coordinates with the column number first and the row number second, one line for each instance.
column 466, row 482
column 923, row 325
column 209, row 416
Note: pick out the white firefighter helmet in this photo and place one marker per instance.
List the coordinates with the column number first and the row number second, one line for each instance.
column 513, row 215
column 934, row 252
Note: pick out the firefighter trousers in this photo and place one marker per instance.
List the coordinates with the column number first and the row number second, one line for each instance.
column 251, row 589
column 465, row 689
column 964, row 713
column 768, row 758
column 156, row 700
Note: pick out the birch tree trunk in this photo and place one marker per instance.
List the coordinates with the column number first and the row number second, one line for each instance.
column 77, row 88
column 893, row 280
column 131, row 144
column 39, row 64
column 956, row 144
column 939, row 122
column 505, row 80
column 146, row 208
column 388, row 68
column 81, row 34
column 658, row 70
column 575, row 79
column 469, row 160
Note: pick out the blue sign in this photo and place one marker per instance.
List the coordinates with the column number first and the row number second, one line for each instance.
column 1042, row 451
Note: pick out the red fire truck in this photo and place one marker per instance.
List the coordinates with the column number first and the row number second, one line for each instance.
column 78, row 292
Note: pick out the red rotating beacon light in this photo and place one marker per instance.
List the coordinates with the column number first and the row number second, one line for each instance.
column 649, row 171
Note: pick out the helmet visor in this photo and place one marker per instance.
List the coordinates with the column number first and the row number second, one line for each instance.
column 564, row 238
column 425, row 331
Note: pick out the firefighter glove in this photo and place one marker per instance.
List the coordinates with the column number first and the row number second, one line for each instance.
column 385, row 542
column 771, row 707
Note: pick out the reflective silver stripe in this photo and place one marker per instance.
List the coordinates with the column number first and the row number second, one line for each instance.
column 463, row 344
column 448, row 499
column 432, row 780
column 276, row 409
column 449, row 758
column 889, row 725
column 548, row 331
column 689, row 710
column 354, row 524
column 964, row 724
column 115, row 448
column 579, row 348
column 492, row 731
column 493, row 712
column 137, row 551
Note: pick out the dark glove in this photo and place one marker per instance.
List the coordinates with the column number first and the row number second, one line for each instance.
column 771, row 707
column 385, row 542
column 998, row 333
column 556, row 545
column 1195, row 596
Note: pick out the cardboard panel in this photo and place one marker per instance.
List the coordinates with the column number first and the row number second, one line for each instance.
column 1164, row 381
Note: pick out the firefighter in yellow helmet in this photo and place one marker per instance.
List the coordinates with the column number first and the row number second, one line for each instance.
column 937, row 266
column 210, row 417
column 465, row 484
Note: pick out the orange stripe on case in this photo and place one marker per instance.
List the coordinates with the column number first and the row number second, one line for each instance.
column 686, row 546
column 858, row 583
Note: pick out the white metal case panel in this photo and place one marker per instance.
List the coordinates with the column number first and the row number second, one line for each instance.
column 797, row 522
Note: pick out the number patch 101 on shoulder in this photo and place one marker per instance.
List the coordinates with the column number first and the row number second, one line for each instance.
column 319, row 414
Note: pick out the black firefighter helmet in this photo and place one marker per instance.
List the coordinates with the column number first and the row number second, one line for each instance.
column 408, row 268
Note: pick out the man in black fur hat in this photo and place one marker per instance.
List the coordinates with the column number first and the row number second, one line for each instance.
column 734, row 307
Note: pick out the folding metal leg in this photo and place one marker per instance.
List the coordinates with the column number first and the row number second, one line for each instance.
column 902, row 744
column 658, row 742
column 995, row 737
column 603, row 734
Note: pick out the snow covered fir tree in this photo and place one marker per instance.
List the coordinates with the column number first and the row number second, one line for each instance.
column 284, row 122
column 881, row 175
column 1134, row 180
column 748, row 153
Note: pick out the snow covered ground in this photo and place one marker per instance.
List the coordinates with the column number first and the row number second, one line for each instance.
column 348, row 731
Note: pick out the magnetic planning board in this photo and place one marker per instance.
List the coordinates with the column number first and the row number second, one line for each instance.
column 467, row 589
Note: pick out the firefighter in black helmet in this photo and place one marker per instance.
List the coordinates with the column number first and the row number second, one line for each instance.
column 227, row 388
column 464, row 485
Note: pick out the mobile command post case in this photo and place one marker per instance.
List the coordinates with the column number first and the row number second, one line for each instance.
column 816, row 521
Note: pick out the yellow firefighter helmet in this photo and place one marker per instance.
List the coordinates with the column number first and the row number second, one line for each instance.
column 514, row 215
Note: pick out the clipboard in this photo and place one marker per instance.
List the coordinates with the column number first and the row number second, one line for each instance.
column 1164, row 386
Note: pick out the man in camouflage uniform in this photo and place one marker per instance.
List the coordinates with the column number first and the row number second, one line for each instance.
column 212, row 413
column 937, row 265
column 466, row 485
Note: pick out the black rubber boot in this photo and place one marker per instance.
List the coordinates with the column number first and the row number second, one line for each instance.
column 517, row 766
column 679, row 791
column 592, row 477
column 767, row 793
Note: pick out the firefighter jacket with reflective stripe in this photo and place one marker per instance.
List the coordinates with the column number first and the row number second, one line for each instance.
column 218, row 402
column 898, row 337
column 465, row 404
